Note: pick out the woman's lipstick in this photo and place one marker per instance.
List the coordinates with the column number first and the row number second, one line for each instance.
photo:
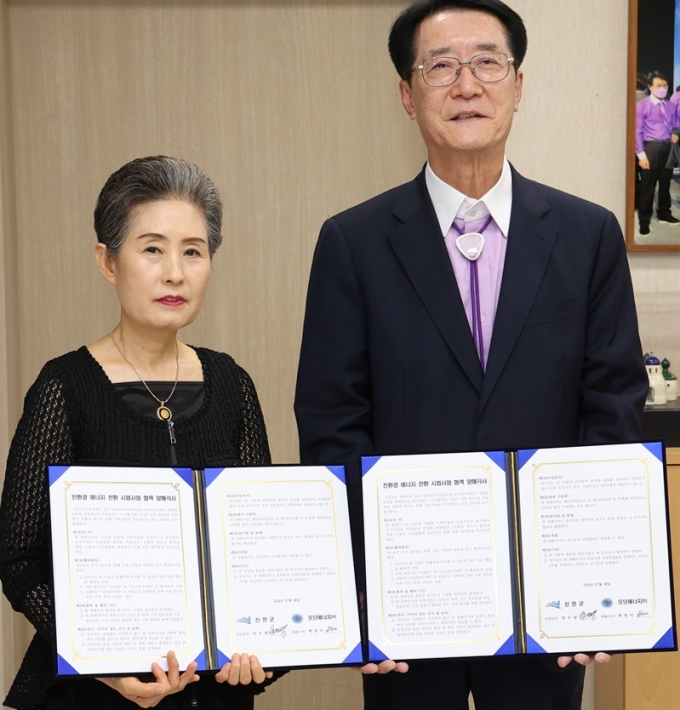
column 172, row 301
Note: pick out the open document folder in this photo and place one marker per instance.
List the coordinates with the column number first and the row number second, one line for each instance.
column 477, row 554
column 537, row 551
column 204, row 563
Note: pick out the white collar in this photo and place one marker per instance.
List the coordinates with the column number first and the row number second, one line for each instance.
column 656, row 100
column 448, row 201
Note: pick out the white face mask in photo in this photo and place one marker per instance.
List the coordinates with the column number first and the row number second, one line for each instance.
column 660, row 92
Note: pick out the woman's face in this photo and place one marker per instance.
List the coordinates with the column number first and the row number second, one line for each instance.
column 162, row 272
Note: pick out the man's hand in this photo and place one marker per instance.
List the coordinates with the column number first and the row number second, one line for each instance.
column 583, row 659
column 644, row 163
column 242, row 669
column 383, row 667
column 148, row 695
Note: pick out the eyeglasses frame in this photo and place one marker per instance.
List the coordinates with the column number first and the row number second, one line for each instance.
column 511, row 60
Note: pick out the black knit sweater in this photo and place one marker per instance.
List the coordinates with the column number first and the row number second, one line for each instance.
column 73, row 414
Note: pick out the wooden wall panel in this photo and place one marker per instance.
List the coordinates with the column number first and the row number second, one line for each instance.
column 292, row 109
column 652, row 680
column 268, row 99
column 610, row 685
column 14, row 629
column 648, row 681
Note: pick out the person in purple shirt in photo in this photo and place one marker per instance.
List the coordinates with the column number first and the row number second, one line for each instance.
column 675, row 99
column 655, row 119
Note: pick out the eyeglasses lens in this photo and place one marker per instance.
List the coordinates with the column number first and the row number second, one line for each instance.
column 442, row 71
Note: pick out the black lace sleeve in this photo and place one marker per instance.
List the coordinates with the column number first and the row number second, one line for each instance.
column 43, row 436
column 253, row 445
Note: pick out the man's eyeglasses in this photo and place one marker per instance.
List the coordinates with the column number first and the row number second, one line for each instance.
column 443, row 71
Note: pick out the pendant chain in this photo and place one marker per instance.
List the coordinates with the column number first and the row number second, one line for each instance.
column 163, row 412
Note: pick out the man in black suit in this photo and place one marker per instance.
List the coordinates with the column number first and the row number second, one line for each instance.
column 417, row 340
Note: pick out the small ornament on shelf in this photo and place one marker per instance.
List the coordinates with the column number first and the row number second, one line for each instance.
column 657, row 385
column 670, row 380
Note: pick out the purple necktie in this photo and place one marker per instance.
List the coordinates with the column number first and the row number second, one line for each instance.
column 665, row 117
column 477, row 335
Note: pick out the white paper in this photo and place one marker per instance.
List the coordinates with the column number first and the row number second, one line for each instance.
column 282, row 567
column 126, row 580
column 437, row 556
column 595, row 548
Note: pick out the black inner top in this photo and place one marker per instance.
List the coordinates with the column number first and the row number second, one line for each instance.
column 187, row 398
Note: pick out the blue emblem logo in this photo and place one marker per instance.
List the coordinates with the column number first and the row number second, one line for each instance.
column 243, row 620
column 554, row 605
column 297, row 618
column 606, row 603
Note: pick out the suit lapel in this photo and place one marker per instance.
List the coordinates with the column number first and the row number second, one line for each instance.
column 420, row 248
column 530, row 244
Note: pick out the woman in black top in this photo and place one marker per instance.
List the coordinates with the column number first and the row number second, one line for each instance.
column 136, row 396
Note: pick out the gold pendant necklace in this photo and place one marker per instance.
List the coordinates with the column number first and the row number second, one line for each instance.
column 163, row 412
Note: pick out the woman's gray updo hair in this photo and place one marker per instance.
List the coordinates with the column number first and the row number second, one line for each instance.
column 147, row 180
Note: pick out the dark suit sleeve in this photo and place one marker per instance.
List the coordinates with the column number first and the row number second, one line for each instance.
column 333, row 394
column 332, row 402
column 614, row 382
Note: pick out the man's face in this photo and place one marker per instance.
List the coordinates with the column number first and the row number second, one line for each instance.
column 659, row 84
column 468, row 117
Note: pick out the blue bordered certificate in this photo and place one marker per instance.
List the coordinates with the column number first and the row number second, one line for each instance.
column 595, row 549
column 126, row 574
column 282, row 569
column 438, row 562
column 203, row 563
column 560, row 550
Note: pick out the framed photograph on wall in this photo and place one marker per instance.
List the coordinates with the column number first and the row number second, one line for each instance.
column 653, row 161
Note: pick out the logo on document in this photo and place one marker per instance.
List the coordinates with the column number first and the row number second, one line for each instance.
column 606, row 603
column 554, row 605
column 297, row 618
column 243, row 620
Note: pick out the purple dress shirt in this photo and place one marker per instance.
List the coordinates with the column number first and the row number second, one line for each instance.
column 489, row 268
column 654, row 121
column 470, row 215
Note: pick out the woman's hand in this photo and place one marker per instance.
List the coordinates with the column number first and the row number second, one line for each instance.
column 242, row 669
column 148, row 695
